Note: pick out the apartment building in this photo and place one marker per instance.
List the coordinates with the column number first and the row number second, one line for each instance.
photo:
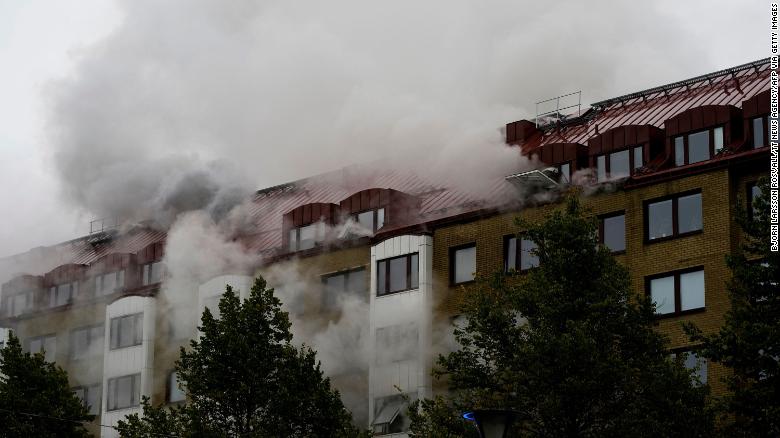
column 664, row 168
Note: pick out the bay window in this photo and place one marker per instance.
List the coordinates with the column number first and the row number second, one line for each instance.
column 397, row 274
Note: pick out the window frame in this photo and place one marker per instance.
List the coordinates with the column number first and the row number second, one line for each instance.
column 519, row 237
column 376, row 217
column 677, row 291
column 89, row 329
column 319, row 236
column 695, row 350
column 54, row 294
column 135, row 382
column 119, row 274
column 43, row 350
column 346, row 272
column 601, row 230
column 409, row 284
column 10, row 307
column 452, row 251
column 675, row 216
column 632, row 168
column 686, row 147
column 90, row 389
column 169, row 388
column 139, row 318
column 765, row 134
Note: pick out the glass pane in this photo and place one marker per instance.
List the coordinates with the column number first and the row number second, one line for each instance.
column 93, row 399
column 335, row 285
column 692, row 290
column 366, row 220
column 35, row 345
column 381, row 280
column 615, row 233
column 565, row 172
column 79, row 342
column 511, row 254
column 175, row 394
column 398, row 274
column 146, row 275
column 124, row 389
column 601, row 167
column 111, row 394
column 698, row 147
column 50, row 347
column 138, row 322
column 356, row 282
column 619, row 166
column 293, row 239
column 415, row 274
column 120, row 282
column 693, row 361
column 639, row 157
column 308, row 236
column 380, row 218
column 758, row 132
column 527, row 258
column 157, row 272
column 717, row 138
column 465, row 264
column 689, row 213
column 126, row 331
column 659, row 219
column 662, row 294
column 679, row 151
column 114, row 333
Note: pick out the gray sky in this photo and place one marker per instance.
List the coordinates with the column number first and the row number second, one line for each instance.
column 114, row 107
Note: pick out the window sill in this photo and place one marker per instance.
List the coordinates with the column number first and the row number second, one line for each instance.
column 463, row 283
column 675, row 236
column 398, row 292
column 682, row 313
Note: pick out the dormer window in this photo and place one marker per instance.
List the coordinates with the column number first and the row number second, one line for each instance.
column 20, row 303
column 697, row 146
column 371, row 220
column 619, row 164
column 63, row 294
column 106, row 284
column 307, row 236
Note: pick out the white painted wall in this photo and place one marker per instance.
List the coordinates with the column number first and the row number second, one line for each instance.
column 129, row 360
column 414, row 306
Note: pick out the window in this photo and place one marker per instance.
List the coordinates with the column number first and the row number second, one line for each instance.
column 63, row 294
column 212, row 303
column 697, row 146
column 693, row 362
column 565, row 171
column 86, row 341
column 753, row 192
column 390, row 414
column 175, row 394
column 619, row 164
column 463, row 263
column 123, row 392
column 306, row 237
column 109, row 283
column 612, row 232
column 152, row 273
column 371, row 220
column 336, row 285
column 126, row 331
column 519, row 257
column 90, row 397
column 677, row 293
column 181, row 323
column 44, row 344
column 675, row 216
column 20, row 303
column 397, row 274
column 396, row 343
column 759, row 132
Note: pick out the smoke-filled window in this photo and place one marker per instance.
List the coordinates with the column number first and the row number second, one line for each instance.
column 63, row 294
column 175, row 393
column 152, row 273
column 397, row 274
column 371, row 220
column 123, row 392
column 306, row 237
column 106, row 284
column 612, row 232
column 336, row 285
column 90, row 397
column 181, row 323
column 396, row 343
column 390, row 414
column 126, row 331
column 44, row 344
column 463, row 264
column 86, row 341
column 19, row 303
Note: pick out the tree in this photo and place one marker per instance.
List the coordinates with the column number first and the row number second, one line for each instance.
column 35, row 398
column 243, row 377
column 568, row 346
column 748, row 343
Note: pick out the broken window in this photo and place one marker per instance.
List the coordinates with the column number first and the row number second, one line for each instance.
column 390, row 414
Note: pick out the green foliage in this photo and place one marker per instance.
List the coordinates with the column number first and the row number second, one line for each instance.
column 35, row 398
column 749, row 341
column 568, row 346
column 243, row 377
